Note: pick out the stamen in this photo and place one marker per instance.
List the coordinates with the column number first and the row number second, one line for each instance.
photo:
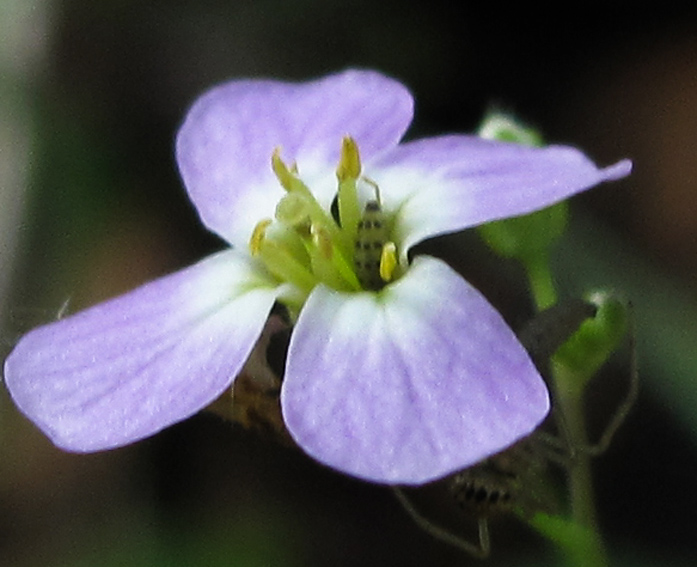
column 279, row 259
column 306, row 245
column 328, row 263
column 388, row 261
column 283, row 174
column 286, row 267
column 258, row 235
column 347, row 173
column 294, row 185
column 322, row 240
column 350, row 162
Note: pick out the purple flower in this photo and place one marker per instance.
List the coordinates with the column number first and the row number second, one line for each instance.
column 400, row 381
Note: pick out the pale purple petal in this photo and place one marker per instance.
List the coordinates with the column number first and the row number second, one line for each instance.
column 450, row 183
column 225, row 145
column 411, row 384
column 129, row 367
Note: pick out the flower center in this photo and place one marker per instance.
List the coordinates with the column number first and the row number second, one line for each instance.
column 305, row 244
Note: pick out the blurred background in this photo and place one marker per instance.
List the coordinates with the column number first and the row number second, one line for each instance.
column 91, row 95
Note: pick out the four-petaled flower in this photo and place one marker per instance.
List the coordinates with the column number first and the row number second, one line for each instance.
column 399, row 374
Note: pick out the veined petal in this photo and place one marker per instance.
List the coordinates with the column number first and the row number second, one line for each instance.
column 449, row 183
column 410, row 384
column 125, row 369
column 225, row 145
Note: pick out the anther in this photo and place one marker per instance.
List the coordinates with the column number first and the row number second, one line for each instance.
column 258, row 236
column 322, row 240
column 280, row 169
column 388, row 261
column 350, row 162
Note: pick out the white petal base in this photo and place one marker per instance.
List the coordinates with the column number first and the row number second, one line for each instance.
column 410, row 384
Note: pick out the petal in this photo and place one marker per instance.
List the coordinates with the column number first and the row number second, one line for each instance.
column 125, row 369
column 225, row 145
column 450, row 183
column 410, row 384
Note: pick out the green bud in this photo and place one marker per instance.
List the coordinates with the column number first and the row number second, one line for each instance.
column 505, row 128
column 597, row 337
column 527, row 237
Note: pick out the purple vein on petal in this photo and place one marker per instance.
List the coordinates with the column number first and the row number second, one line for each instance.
column 450, row 183
column 131, row 366
column 224, row 146
column 411, row 384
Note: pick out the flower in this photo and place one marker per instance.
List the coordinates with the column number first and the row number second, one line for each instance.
column 400, row 376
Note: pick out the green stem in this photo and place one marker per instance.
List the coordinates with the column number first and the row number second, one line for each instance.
column 541, row 281
column 566, row 533
column 568, row 396
column 569, row 399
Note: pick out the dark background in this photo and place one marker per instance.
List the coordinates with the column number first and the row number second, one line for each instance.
column 92, row 95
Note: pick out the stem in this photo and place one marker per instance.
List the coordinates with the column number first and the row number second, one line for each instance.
column 541, row 282
column 568, row 396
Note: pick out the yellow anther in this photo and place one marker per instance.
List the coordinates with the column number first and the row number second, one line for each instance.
column 285, row 176
column 388, row 261
column 350, row 162
column 258, row 236
column 322, row 240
